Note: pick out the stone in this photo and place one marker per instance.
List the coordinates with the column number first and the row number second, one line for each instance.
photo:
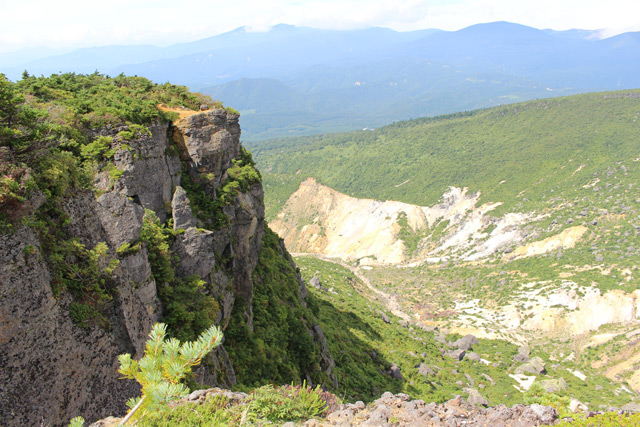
column 107, row 422
column 534, row 366
column 395, row 373
column 315, row 282
column 473, row 356
column 121, row 219
column 384, row 317
column 576, row 406
column 181, row 210
column 465, row 342
column 196, row 251
column 425, row 370
column 469, row 379
column 455, row 354
column 441, row 338
column 488, row 378
column 520, row 358
column 475, row 398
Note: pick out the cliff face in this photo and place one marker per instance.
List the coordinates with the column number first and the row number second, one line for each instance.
column 52, row 367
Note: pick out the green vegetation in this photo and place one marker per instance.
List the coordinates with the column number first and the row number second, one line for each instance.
column 607, row 419
column 264, row 406
column 485, row 150
column 367, row 347
column 187, row 307
column 281, row 348
column 240, row 177
column 165, row 363
column 160, row 371
column 44, row 143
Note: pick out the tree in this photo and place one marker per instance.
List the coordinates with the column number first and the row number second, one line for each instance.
column 160, row 370
column 10, row 100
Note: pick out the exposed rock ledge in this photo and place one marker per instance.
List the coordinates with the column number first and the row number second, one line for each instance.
column 399, row 410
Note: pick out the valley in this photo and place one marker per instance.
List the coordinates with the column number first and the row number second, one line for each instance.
column 403, row 214
column 544, row 256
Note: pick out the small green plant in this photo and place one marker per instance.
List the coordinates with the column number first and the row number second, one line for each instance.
column 164, row 365
column 77, row 422
column 99, row 149
column 537, row 394
column 287, row 403
column 134, row 131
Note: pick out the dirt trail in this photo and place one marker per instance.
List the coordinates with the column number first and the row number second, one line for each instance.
column 390, row 301
column 183, row 113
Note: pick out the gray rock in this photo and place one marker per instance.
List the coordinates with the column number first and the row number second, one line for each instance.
column 441, row 338
column 425, row 370
column 469, row 379
column 523, row 354
column 466, row 342
column 121, row 219
column 181, row 210
column 455, row 354
column 534, row 366
column 107, row 422
column 196, row 252
column 384, row 317
column 395, row 373
column 149, row 174
column 488, row 378
column 473, row 356
column 73, row 368
column 315, row 282
column 475, row 398
column 378, row 417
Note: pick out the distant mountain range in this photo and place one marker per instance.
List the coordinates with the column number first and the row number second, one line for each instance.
column 297, row 80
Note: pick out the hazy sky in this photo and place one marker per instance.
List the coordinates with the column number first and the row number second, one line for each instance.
column 77, row 23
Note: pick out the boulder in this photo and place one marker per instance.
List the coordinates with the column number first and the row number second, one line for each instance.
column 473, row 356
column 534, row 366
column 441, row 338
column 384, row 317
column 395, row 373
column 425, row 370
column 455, row 354
column 576, row 406
column 475, row 398
column 523, row 354
column 120, row 218
column 465, row 342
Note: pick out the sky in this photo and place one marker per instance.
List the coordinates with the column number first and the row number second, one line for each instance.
column 83, row 23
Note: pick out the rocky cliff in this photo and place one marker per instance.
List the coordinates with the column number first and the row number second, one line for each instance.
column 82, row 280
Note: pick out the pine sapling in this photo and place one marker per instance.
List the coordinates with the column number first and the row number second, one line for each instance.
column 163, row 365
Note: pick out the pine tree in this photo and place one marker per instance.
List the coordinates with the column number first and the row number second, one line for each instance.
column 160, row 370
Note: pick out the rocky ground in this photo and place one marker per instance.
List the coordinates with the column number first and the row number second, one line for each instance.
column 399, row 410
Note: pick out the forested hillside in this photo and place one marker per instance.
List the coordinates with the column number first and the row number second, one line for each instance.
column 511, row 153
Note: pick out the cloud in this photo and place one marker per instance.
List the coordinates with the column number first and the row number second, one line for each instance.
column 163, row 22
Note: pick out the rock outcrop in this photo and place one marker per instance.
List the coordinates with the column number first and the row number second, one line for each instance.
column 51, row 368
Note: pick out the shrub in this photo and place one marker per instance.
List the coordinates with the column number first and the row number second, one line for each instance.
column 164, row 365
